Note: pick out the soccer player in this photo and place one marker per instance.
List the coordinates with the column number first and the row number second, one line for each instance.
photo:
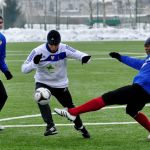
column 50, row 62
column 3, row 67
column 135, row 95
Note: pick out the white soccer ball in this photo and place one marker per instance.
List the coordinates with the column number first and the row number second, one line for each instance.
column 42, row 96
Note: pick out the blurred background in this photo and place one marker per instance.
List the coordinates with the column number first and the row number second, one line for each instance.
column 93, row 13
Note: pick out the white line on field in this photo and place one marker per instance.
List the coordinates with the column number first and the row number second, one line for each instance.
column 88, row 124
column 38, row 115
column 20, row 117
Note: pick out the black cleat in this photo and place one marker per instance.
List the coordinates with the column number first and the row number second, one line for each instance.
column 83, row 131
column 50, row 130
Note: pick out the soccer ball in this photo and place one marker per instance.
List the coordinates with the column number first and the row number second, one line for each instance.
column 42, row 96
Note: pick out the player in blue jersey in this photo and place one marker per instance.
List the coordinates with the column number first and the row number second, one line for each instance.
column 50, row 62
column 135, row 95
column 3, row 68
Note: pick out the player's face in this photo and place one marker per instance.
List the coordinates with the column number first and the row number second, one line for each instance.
column 147, row 49
column 1, row 23
column 53, row 48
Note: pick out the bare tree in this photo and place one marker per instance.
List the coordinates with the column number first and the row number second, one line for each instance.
column 2, row 5
column 90, row 6
column 104, row 14
column 45, row 13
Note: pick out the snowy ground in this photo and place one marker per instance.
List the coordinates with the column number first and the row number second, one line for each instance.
column 76, row 33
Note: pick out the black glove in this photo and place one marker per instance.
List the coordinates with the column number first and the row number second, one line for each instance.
column 115, row 55
column 85, row 59
column 8, row 75
column 37, row 58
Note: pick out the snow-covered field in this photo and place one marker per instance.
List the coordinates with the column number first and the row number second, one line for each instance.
column 76, row 33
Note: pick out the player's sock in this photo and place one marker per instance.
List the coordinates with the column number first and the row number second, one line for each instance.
column 91, row 105
column 143, row 120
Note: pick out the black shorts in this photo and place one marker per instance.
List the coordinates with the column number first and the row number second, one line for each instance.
column 61, row 94
column 133, row 95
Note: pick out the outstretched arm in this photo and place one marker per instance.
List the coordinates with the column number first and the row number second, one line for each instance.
column 76, row 54
column 130, row 61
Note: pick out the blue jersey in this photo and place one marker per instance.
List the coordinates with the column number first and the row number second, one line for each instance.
column 3, row 66
column 143, row 77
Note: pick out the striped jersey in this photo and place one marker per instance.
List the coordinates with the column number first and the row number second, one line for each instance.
column 52, row 68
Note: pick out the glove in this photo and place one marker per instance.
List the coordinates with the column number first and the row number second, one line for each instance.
column 8, row 75
column 85, row 59
column 115, row 55
column 37, row 58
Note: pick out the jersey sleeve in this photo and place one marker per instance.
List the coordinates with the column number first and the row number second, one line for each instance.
column 73, row 53
column 3, row 65
column 29, row 65
column 132, row 62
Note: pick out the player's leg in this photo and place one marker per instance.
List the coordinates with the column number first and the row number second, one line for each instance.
column 46, row 115
column 3, row 98
column 3, row 95
column 92, row 105
column 118, row 96
column 64, row 97
column 140, row 98
column 140, row 117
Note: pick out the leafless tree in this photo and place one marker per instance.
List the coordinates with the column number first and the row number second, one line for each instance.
column 2, row 5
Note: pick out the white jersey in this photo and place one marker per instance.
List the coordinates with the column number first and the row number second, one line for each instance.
column 52, row 68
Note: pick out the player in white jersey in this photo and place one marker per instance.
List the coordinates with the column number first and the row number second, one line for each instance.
column 50, row 62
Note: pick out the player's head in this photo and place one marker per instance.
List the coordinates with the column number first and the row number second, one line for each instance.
column 53, row 37
column 1, row 22
column 147, row 42
column 147, row 45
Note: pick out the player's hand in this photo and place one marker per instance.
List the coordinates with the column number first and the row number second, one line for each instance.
column 8, row 75
column 85, row 59
column 37, row 58
column 115, row 55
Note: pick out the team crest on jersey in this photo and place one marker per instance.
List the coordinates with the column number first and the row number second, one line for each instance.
column 52, row 57
column 50, row 67
column 1, row 42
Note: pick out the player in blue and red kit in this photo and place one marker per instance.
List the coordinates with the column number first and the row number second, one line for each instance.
column 3, row 68
column 135, row 95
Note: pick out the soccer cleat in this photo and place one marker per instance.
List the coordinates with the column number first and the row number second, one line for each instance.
column 1, row 128
column 83, row 131
column 64, row 112
column 50, row 130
